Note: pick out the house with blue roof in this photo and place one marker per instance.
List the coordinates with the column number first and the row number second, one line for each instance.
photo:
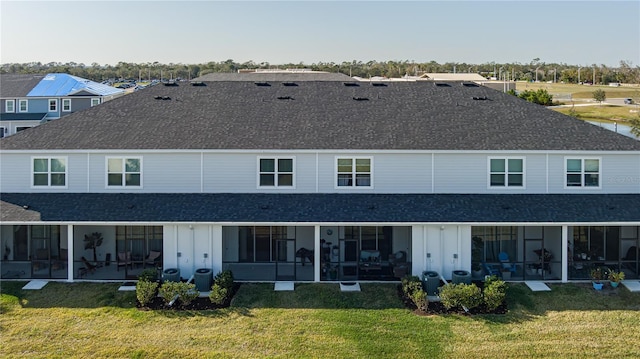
column 27, row 100
column 318, row 177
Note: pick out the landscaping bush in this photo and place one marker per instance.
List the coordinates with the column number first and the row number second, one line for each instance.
column 186, row 292
column 466, row 296
column 412, row 289
column 149, row 274
column 495, row 291
column 218, row 294
column 146, row 291
column 224, row 279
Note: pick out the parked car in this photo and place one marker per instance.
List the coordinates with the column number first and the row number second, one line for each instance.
column 628, row 101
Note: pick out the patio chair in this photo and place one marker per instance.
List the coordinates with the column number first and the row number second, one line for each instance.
column 124, row 259
column 91, row 268
column 153, row 258
column 506, row 263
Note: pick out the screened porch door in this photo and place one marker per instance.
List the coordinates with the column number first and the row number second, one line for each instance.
column 285, row 259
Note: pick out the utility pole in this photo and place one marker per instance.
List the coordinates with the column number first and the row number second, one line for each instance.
column 579, row 73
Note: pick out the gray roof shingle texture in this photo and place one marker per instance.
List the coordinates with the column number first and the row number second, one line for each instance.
column 319, row 115
column 17, row 85
column 361, row 208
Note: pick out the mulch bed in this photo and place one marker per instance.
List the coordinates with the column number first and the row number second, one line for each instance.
column 200, row 303
column 436, row 308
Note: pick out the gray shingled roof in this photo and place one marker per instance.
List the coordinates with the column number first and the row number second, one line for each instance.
column 17, row 85
column 22, row 116
column 319, row 115
column 274, row 76
column 388, row 208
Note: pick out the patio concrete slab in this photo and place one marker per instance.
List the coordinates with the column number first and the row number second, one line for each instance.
column 349, row 286
column 35, row 285
column 632, row 285
column 283, row 286
column 537, row 286
column 127, row 287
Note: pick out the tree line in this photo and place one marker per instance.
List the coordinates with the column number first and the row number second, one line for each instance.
column 535, row 70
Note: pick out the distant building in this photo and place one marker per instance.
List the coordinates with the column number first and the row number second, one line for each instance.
column 28, row 100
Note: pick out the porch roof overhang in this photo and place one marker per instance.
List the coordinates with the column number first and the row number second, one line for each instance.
column 319, row 208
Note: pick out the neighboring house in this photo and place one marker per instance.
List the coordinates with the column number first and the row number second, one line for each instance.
column 314, row 177
column 28, row 100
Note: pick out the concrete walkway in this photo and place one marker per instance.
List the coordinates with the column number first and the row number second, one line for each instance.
column 537, row 286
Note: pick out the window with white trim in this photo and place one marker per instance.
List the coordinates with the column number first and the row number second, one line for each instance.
column 582, row 172
column 53, row 105
column 49, row 171
column 353, row 172
column 23, row 105
column 95, row 102
column 66, row 104
column 3, row 132
column 275, row 172
column 124, row 172
column 506, row 172
column 10, row 106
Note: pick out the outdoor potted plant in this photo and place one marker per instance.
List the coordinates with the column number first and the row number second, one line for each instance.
column 333, row 272
column 597, row 274
column 506, row 274
column 615, row 278
column 476, row 270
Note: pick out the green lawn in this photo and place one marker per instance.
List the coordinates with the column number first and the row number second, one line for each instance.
column 578, row 92
column 84, row 320
column 600, row 113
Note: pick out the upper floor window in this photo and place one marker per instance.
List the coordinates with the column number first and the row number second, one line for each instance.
column 95, row 102
column 66, row 104
column 23, row 105
column 10, row 106
column 276, row 172
column 53, row 105
column 583, row 172
column 50, row 172
column 506, row 172
column 124, row 172
column 353, row 172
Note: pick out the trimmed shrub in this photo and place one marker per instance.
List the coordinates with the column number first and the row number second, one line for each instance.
column 465, row 296
column 146, row 291
column 218, row 294
column 186, row 292
column 224, row 279
column 495, row 291
column 149, row 274
column 419, row 298
column 412, row 289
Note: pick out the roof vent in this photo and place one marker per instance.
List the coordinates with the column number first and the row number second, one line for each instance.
column 285, row 98
column 171, row 83
column 442, row 84
column 289, row 84
column 262, row 84
column 470, row 84
column 378, row 84
column 483, row 98
column 166, row 98
column 198, row 83
column 361, row 98
column 351, row 84
column 157, row 97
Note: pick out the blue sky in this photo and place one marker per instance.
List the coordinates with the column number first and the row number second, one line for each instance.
column 106, row 32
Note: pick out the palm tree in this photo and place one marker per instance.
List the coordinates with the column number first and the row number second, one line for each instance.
column 92, row 242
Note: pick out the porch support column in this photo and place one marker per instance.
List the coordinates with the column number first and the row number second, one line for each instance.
column 316, row 253
column 565, row 253
column 70, row 253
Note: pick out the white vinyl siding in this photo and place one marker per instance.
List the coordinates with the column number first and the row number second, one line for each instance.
column 10, row 106
column 49, row 172
column 23, row 105
column 124, row 172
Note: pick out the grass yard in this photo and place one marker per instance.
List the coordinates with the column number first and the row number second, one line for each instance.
column 580, row 92
column 84, row 320
column 601, row 113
